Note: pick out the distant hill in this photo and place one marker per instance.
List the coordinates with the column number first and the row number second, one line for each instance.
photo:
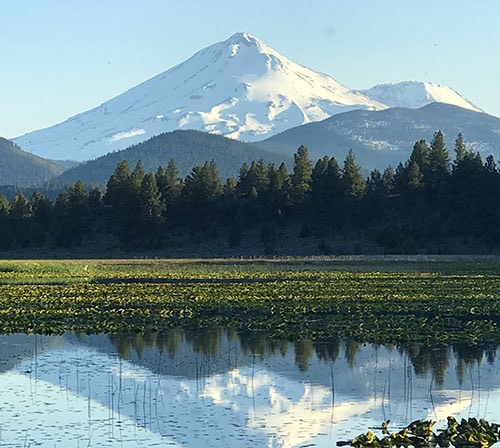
column 382, row 138
column 18, row 167
column 187, row 148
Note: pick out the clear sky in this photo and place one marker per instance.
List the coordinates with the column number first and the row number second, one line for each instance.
column 62, row 57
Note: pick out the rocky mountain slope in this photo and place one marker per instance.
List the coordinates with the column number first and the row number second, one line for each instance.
column 382, row 138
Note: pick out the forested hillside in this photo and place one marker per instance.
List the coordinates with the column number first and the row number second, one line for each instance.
column 18, row 167
column 433, row 203
column 382, row 138
column 187, row 148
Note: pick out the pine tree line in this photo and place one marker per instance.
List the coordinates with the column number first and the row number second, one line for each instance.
column 427, row 204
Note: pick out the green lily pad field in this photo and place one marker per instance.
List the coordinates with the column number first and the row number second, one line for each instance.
column 378, row 300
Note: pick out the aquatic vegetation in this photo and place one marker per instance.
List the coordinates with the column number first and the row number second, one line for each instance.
column 311, row 302
column 468, row 433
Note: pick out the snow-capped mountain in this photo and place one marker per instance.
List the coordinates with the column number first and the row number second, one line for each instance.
column 414, row 95
column 239, row 88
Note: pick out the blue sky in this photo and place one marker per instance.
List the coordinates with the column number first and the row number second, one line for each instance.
column 62, row 57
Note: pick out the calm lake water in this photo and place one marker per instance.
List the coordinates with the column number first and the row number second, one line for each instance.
column 217, row 388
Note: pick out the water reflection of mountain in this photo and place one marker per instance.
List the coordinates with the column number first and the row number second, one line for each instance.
column 218, row 388
column 15, row 348
column 203, row 352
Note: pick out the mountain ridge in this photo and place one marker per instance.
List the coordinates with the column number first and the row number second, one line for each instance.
column 180, row 146
column 382, row 138
column 417, row 94
column 239, row 88
column 19, row 167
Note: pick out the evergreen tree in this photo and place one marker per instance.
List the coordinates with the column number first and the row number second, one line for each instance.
column 490, row 165
column 202, row 191
column 20, row 207
column 119, row 187
column 42, row 209
column 279, row 179
column 230, row 188
column 421, row 156
column 414, row 176
column 71, row 212
column 78, row 199
column 151, row 208
column 169, row 183
column 203, row 184
column 400, row 181
column 4, row 206
column 122, row 194
column 326, row 188
column 388, row 180
column 439, row 159
column 138, row 174
column 20, row 217
column 353, row 182
column 279, row 188
column 150, row 203
column 253, row 180
column 374, row 184
column 460, row 150
column 301, row 177
column 7, row 239
column 95, row 198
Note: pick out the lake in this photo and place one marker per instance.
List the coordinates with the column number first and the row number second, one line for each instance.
column 219, row 388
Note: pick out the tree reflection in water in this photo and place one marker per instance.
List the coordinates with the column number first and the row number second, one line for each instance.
column 233, row 388
column 207, row 341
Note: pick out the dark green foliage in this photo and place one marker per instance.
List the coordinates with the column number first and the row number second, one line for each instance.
column 426, row 205
column 18, row 167
column 168, row 182
column 202, row 192
column 20, row 208
column 301, row 177
column 187, row 147
column 439, row 159
column 421, row 156
column 353, row 181
column 203, row 184
column 326, row 192
column 386, row 137
column 415, row 177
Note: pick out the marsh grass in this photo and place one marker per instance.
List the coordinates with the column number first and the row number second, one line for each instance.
column 37, row 272
column 431, row 300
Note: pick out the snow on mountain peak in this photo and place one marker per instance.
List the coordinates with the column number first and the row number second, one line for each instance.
column 244, row 38
column 239, row 88
column 415, row 94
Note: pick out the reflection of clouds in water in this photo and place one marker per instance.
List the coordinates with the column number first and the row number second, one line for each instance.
column 102, row 400
column 311, row 418
column 288, row 413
